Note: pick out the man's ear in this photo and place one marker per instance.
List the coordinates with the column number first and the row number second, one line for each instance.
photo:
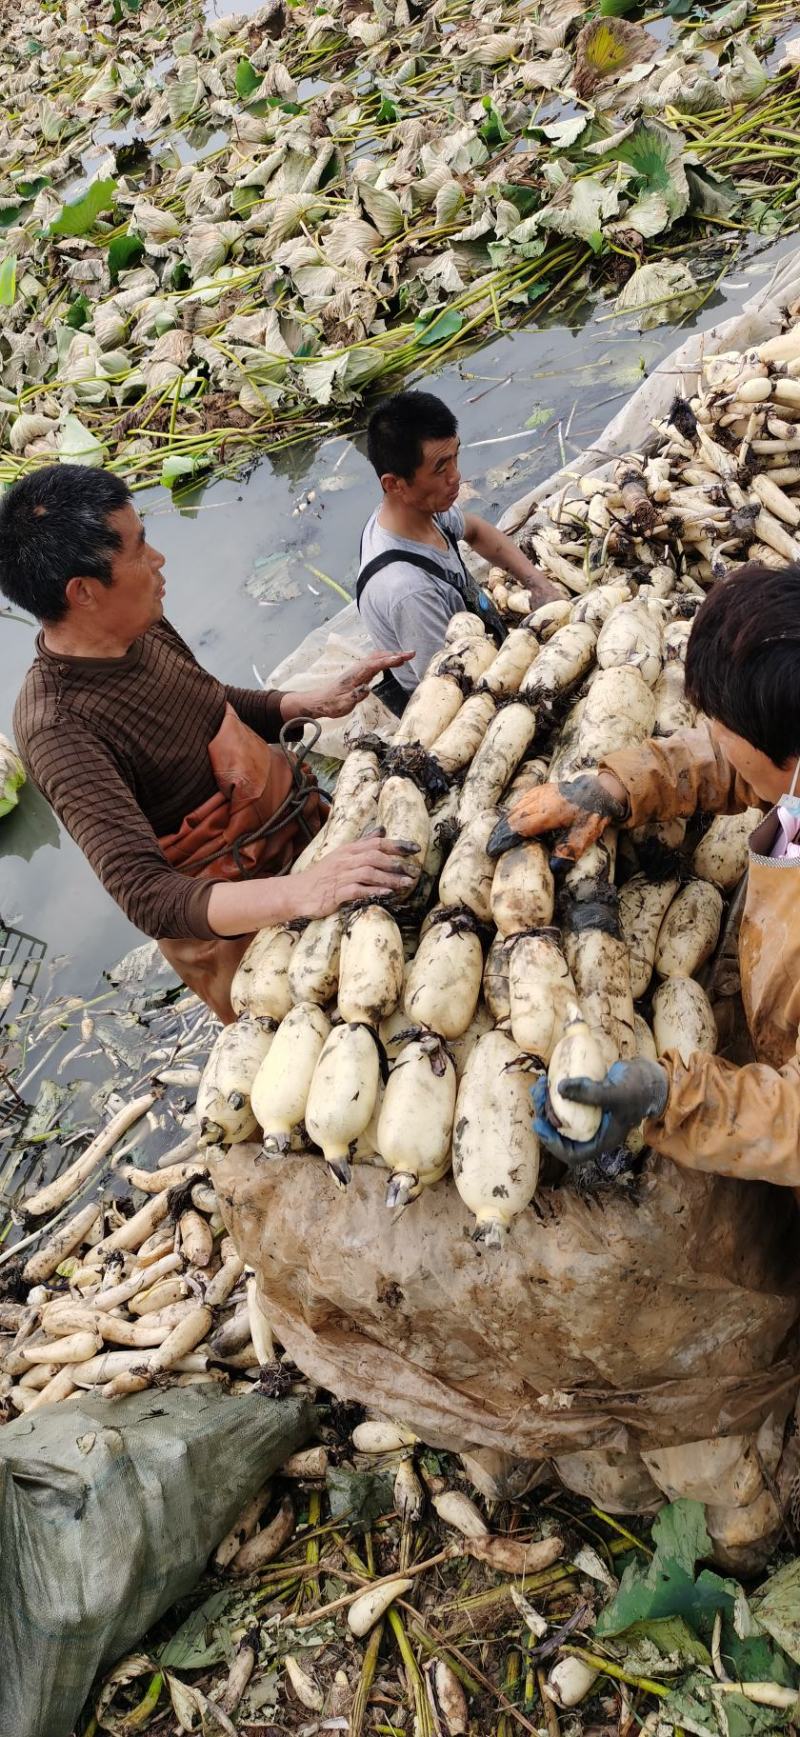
column 81, row 593
column 391, row 484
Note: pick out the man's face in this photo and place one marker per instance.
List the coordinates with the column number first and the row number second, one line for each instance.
column 436, row 481
column 133, row 600
column 769, row 781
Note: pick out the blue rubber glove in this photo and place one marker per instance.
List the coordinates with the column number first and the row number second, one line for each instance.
column 630, row 1091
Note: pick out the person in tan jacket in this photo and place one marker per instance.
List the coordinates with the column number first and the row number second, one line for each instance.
column 743, row 674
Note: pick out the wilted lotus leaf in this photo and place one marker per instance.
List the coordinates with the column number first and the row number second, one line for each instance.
column 424, row 191
column 367, row 31
column 77, row 445
column 319, row 378
column 114, row 363
column 207, row 245
column 110, row 324
column 442, row 274
column 546, row 74
column 655, row 154
column 448, row 202
column 278, row 82
column 168, row 359
column 291, row 212
column 657, row 293
column 185, row 95
column 348, row 316
column 28, row 427
column 580, row 208
column 383, row 207
column 648, row 216
column 606, row 47
column 349, row 237
column 315, row 284
column 745, row 78
column 492, row 49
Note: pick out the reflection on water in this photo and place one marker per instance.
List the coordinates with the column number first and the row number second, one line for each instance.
column 250, row 564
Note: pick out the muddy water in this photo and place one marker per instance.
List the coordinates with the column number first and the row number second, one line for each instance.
column 253, row 566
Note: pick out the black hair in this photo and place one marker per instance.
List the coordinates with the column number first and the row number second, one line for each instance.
column 54, row 527
column 399, row 426
column 743, row 658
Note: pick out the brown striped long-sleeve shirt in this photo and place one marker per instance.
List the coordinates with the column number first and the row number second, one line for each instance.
column 119, row 746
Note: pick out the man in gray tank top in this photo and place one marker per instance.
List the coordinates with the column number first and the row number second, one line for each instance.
column 412, row 580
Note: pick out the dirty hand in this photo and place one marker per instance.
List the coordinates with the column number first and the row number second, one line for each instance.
column 584, row 806
column 542, row 587
column 631, row 1091
column 362, row 870
column 336, row 698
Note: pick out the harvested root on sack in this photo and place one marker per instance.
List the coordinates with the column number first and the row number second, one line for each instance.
column 342, row 1095
column 632, row 634
column 511, row 663
column 495, row 1151
column 507, row 738
column 721, row 856
column 283, row 1082
column 577, row 1055
column 683, row 1018
column 689, row 931
column 560, row 664
column 457, row 746
column 371, row 967
column 415, row 1124
column 260, row 984
column 496, row 988
column 643, row 904
column 223, row 1100
column 314, row 962
column 467, row 876
column 403, row 814
column 444, row 977
column 600, row 964
column 523, row 892
column 541, row 991
column 432, row 706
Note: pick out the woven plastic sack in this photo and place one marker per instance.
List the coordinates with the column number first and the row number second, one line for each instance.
column 603, row 1332
column 109, row 1511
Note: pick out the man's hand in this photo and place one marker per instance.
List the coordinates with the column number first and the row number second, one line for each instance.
column 631, row 1091
column 337, row 698
column 542, row 588
column 501, row 551
column 581, row 808
column 362, row 870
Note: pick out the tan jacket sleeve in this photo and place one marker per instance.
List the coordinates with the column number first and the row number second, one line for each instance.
column 734, row 1121
column 671, row 779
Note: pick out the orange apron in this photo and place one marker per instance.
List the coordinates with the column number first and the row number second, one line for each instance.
column 263, row 813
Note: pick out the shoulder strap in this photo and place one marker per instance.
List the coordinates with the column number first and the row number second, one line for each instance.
column 388, row 559
column 476, row 599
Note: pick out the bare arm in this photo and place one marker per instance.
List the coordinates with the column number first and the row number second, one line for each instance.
column 501, row 551
column 366, row 869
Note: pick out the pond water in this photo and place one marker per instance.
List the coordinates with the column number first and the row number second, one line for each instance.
column 516, row 400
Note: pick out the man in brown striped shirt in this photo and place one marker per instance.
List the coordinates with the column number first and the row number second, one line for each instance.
column 147, row 759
